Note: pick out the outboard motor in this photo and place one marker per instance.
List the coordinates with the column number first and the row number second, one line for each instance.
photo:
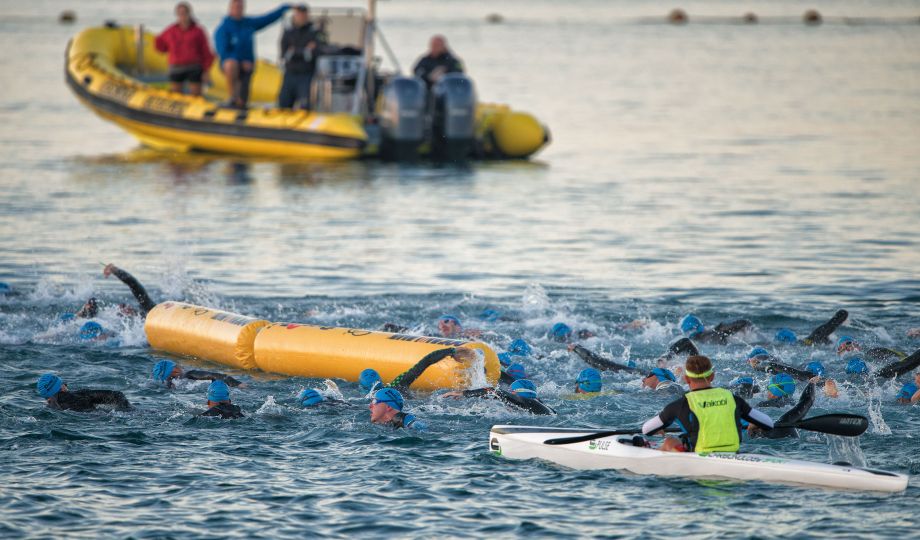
column 453, row 117
column 402, row 118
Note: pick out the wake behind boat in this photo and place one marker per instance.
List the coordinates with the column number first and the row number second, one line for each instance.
column 617, row 452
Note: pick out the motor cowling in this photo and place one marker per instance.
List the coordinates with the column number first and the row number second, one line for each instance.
column 402, row 118
column 453, row 117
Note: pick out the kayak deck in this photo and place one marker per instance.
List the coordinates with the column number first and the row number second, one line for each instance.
column 614, row 452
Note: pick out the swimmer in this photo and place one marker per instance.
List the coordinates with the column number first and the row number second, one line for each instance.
column 166, row 371
column 562, row 333
column 311, row 397
column 219, row 402
column 588, row 381
column 512, row 373
column 522, row 394
column 519, row 347
column 449, row 326
column 387, row 409
column 710, row 417
column 793, row 415
column 780, row 390
column 910, row 392
column 744, row 387
column 761, row 360
column 662, row 380
column 598, row 362
column 369, row 379
column 58, row 396
column 140, row 294
column 93, row 331
column 692, row 327
column 914, row 332
column 818, row 336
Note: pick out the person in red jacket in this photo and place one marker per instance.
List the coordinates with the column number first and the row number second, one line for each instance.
column 190, row 55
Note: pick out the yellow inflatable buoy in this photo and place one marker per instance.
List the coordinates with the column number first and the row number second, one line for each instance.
column 205, row 333
column 517, row 134
column 333, row 352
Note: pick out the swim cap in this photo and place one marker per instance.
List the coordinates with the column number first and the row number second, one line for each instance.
column 163, row 369
column 742, row 381
column 845, row 340
column 630, row 363
column 4, row 287
column 691, row 325
column 310, row 398
column 390, row 396
column 218, row 391
column 589, row 380
column 907, row 391
column 815, row 368
column 368, row 379
column 519, row 347
column 785, row 335
column 560, row 331
column 856, row 366
column 49, row 385
column 516, row 371
column 524, row 388
column 450, row 318
column 758, row 351
column 90, row 330
column 67, row 317
column 663, row 374
column 782, row 384
column 490, row 315
column 504, row 358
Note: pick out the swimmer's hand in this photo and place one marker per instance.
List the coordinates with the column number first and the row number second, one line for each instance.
column 472, row 333
column 571, row 346
column 465, row 356
column 454, row 394
column 242, row 385
column 109, row 268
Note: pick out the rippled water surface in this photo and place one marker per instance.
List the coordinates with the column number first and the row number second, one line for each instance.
column 768, row 172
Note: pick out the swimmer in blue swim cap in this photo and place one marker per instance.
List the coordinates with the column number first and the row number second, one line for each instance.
column 588, row 381
column 219, row 402
column 910, row 392
column 166, row 371
column 449, row 326
column 521, row 395
column 785, row 335
column 780, row 391
column 387, row 409
column 58, row 396
column 692, row 327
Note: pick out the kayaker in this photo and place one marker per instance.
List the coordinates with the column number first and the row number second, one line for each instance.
column 219, row 402
column 58, row 396
column 710, row 417
column 166, row 371
column 779, row 391
column 522, row 394
column 387, row 409
column 190, row 55
column 692, row 327
column 234, row 40
column 439, row 61
column 300, row 47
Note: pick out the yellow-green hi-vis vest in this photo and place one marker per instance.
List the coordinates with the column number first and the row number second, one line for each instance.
column 715, row 411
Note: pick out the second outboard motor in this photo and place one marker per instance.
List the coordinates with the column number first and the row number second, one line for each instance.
column 402, row 119
column 453, row 117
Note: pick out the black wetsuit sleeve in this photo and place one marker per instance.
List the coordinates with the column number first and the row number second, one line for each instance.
column 505, row 378
column 723, row 331
column 532, row 405
column 776, row 367
column 136, row 289
column 87, row 400
column 674, row 411
column 880, row 354
column 405, row 380
column 199, row 375
column 820, row 334
column 479, row 392
column 598, row 362
column 683, row 346
column 900, row 368
column 226, row 411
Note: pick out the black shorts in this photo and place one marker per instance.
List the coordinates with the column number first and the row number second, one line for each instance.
column 182, row 74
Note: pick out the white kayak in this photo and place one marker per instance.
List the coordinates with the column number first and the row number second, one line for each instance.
column 618, row 452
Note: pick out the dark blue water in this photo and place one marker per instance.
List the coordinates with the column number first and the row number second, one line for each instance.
column 765, row 172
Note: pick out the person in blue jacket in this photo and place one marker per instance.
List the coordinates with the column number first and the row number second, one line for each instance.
column 234, row 40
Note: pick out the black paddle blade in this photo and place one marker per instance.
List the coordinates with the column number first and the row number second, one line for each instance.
column 845, row 425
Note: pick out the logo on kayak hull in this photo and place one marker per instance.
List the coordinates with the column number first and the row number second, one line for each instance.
column 495, row 447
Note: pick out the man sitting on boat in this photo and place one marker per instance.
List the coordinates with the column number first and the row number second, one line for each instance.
column 234, row 40
column 710, row 417
column 438, row 62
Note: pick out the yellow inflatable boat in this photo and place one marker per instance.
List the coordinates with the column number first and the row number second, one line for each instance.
column 358, row 111
column 307, row 350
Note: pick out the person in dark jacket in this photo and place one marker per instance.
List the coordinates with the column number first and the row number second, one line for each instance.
column 190, row 55
column 234, row 40
column 300, row 45
column 438, row 62
column 219, row 402
column 166, row 371
column 58, row 396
